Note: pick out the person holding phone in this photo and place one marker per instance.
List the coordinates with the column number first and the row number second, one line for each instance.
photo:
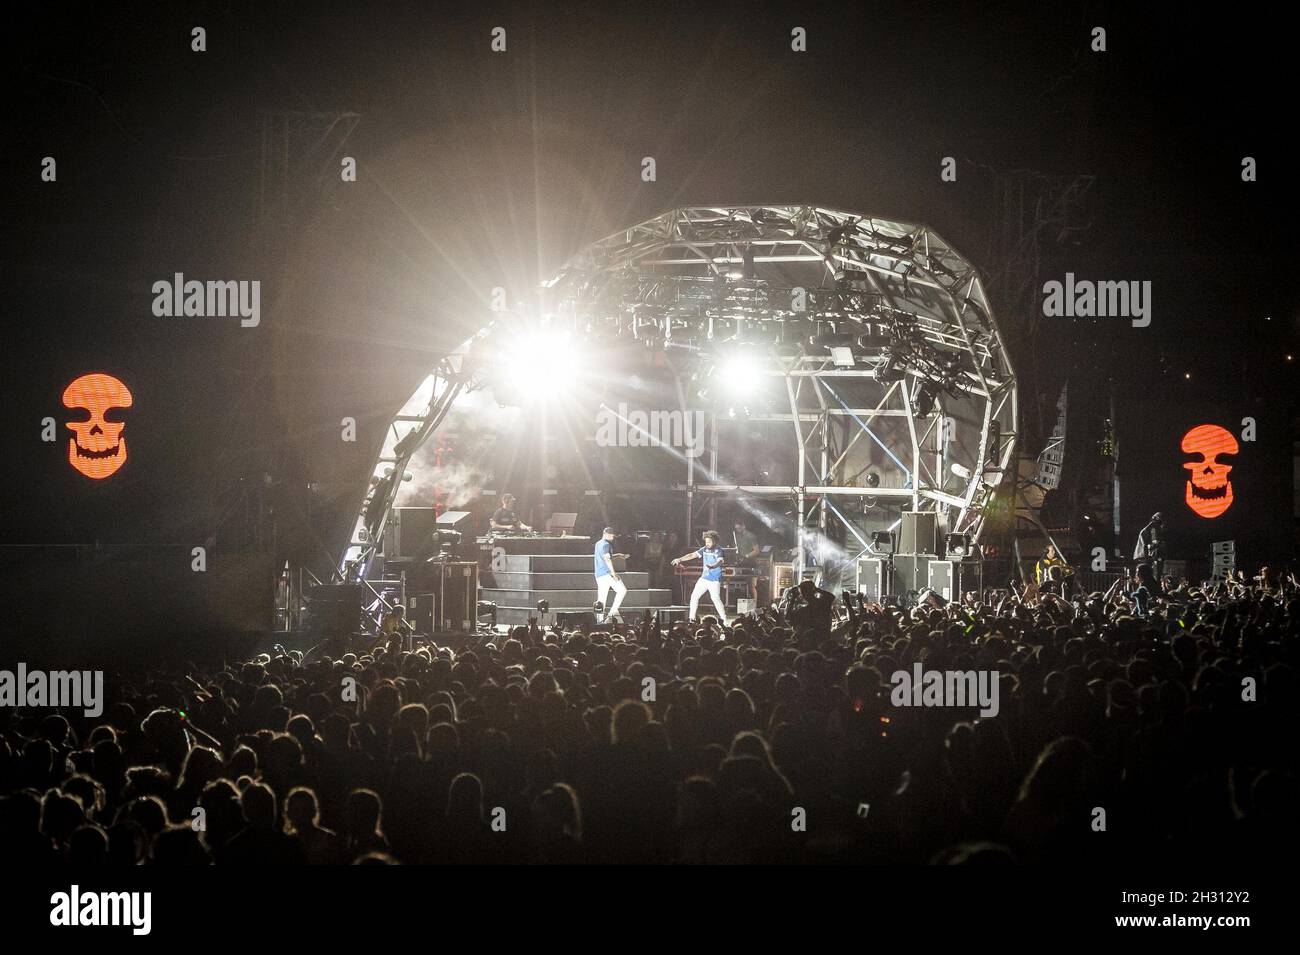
column 710, row 582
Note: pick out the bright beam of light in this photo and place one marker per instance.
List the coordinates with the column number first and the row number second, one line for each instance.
column 541, row 364
column 739, row 374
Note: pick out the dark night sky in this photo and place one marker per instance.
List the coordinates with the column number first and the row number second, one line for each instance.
column 508, row 163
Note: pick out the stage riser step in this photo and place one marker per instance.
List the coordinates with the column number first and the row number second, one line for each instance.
column 637, row 580
column 518, row 616
column 573, row 598
column 518, row 546
column 553, row 564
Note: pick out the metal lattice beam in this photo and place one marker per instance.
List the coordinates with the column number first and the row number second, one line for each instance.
column 776, row 278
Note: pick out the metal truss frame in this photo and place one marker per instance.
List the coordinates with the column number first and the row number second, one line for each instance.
column 787, row 282
column 409, row 429
column 779, row 279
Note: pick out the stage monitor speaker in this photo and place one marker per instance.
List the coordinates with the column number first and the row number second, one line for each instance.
column 667, row 616
column 409, row 532
column 334, row 608
column 942, row 578
column 584, row 620
column 917, row 533
column 911, row 572
column 872, row 579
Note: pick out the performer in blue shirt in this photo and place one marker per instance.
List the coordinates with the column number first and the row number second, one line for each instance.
column 607, row 577
column 710, row 581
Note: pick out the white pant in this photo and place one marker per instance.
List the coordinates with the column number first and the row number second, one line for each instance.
column 603, row 586
column 714, row 590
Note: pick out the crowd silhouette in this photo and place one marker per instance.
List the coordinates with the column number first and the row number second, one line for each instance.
column 1132, row 726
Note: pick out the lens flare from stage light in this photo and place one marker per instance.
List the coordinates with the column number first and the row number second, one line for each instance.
column 542, row 364
column 739, row 374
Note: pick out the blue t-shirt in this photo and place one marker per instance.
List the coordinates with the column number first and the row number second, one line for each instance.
column 602, row 550
column 1141, row 600
column 710, row 555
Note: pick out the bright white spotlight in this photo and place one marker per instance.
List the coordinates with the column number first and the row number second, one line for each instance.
column 739, row 374
column 541, row 363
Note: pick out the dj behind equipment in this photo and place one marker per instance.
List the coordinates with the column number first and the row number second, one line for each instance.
column 747, row 549
column 504, row 517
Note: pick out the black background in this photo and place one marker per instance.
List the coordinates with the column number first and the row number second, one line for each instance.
column 479, row 169
column 1150, row 451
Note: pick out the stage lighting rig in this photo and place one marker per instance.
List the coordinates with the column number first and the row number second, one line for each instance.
column 874, row 336
column 925, row 400
column 890, row 370
column 446, row 541
column 842, row 356
column 535, row 364
column 838, row 234
column 748, row 269
column 714, row 281
column 871, row 480
column 739, row 373
column 847, row 278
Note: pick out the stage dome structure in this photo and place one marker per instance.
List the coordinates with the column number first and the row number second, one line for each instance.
column 869, row 342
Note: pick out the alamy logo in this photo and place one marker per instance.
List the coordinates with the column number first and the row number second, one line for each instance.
column 635, row 428
column 57, row 688
column 75, row 907
column 1087, row 299
column 946, row 688
column 212, row 299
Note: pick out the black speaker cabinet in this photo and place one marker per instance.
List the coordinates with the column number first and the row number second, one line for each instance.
column 942, row 580
column 584, row 620
column 872, row 579
column 409, row 532
column 918, row 533
column 334, row 608
column 667, row 616
column 458, row 610
column 442, row 597
column 420, row 611
column 911, row 572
